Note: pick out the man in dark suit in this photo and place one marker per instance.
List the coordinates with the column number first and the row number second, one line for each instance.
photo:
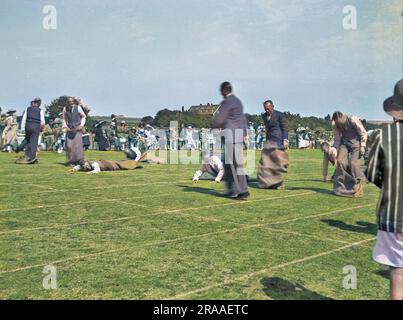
column 274, row 161
column 276, row 125
column 230, row 117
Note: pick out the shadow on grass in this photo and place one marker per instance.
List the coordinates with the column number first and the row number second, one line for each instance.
column 318, row 190
column 361, row 227
column 281, row 289
column 209, row 191
column 308, row 180
column 385, row 273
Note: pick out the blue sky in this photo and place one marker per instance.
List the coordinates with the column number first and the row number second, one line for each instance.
column 135, row 57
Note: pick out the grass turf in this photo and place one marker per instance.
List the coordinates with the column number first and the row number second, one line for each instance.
column 153, row 234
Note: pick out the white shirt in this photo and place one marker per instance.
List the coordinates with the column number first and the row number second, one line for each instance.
column 95, row 168
column 216, row 164
column 80, row 111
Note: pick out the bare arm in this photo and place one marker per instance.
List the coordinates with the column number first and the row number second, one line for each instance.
column 361, row 131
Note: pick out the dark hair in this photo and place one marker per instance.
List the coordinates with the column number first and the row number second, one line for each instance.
column 226, row 87
column 113, row 116
column 268, row 101
column 337, row 115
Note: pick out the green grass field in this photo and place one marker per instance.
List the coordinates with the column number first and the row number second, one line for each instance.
column 153, row 234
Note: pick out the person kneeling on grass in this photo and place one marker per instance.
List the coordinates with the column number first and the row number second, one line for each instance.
column 105, row 165
column 385, row 170
column 213, row 166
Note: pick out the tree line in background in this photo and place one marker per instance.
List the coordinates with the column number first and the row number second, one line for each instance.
column 197, row 120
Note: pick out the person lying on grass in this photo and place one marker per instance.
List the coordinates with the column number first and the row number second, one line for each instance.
column 105, row 165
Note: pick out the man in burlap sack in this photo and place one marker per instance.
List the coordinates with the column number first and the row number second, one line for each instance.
column 350, row 138
column 273, row 164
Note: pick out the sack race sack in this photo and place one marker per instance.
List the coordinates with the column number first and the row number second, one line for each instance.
column 273, row 166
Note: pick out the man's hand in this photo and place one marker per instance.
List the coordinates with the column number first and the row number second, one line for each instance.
column 286, row 144
column 217, row 180
column 246, row 140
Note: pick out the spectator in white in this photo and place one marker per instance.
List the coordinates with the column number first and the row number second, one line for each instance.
column 10, row 131
column 33, row 123
column 190, row 143
column 213, row 166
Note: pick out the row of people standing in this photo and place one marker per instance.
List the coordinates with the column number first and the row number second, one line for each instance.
column 33, row 124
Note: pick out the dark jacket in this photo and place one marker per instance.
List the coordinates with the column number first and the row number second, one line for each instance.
column 385, row 170
column 230, row 116
column 276, row 127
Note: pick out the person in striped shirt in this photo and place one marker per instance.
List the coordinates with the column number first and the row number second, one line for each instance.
column 385, row 170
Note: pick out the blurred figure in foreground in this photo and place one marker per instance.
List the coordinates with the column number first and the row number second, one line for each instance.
column 385, row 170
column 231, row 118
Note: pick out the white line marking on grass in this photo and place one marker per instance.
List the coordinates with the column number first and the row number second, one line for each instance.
column 83, row 202
column 162, row 242
column 96, row 188
column 169, row 211
column 155, row 243
column 262, row 271
column 266, row 225
column 323, row 214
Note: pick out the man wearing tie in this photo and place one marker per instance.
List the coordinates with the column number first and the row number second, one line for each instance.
column 230, row 117
column 274, row 162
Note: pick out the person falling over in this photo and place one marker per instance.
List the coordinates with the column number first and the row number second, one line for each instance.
column 329, row 155
column 105, row 165
column 134, row 153
column 213, row 166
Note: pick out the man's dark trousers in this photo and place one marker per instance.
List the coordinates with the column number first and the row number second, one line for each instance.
column 235, row 177
column 32, row 132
